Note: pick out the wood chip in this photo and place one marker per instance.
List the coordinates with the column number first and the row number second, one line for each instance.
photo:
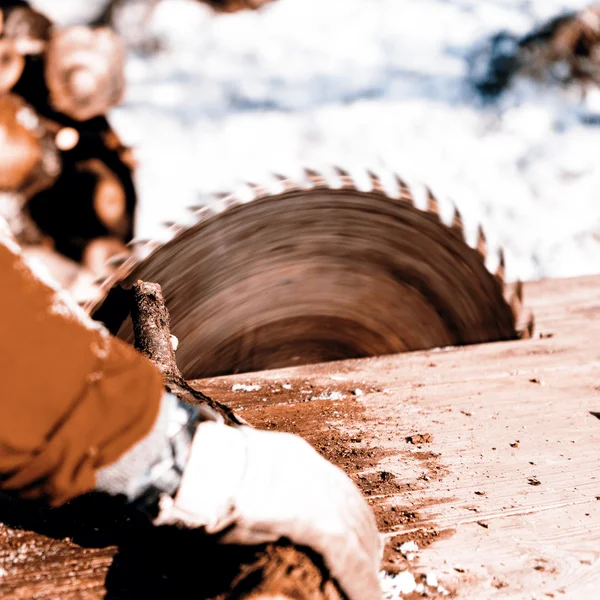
column 420, row 438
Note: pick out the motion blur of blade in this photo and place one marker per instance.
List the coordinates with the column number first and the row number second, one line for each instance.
column 313, row 273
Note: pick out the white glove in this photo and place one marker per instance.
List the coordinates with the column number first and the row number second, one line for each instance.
column 270, row 486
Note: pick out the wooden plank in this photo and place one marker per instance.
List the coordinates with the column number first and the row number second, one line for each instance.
column 466, row 498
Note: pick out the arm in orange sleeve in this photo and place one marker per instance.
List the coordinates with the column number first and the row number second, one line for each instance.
column 73, row 399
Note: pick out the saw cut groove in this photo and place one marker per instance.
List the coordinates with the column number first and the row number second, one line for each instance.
column 317, row 274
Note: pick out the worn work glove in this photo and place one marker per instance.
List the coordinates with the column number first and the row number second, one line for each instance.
column 268, row 486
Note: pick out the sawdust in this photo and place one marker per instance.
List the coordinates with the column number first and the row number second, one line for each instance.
column 315, row 420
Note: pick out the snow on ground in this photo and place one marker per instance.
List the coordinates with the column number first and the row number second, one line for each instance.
column 367, row 83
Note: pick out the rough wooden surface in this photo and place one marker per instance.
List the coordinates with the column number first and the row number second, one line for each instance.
column 494, row 421
column 501, row 417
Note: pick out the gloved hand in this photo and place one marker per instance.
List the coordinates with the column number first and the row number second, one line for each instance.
column 269, row 486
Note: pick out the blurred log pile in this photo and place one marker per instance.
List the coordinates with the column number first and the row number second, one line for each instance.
column 565, row 50
column 569, row 45
column 66, row 185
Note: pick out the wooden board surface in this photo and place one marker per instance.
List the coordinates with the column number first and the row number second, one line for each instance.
column 503, row 501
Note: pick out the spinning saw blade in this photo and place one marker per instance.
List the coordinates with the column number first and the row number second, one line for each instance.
column 312, row 271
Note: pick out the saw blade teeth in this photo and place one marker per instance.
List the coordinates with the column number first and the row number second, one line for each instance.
column 277, row 184
column 245, row 193
column 375, row 182
column 143, row 251
column 215, row 196
column 276, row 187
column 403, row 189
column 332, row 178
column 419, row 196
column 203, row 199
column 173, row 227
column 167, row 232
column 314, row 177
column 492, row 258
column 142, row 247
column 100, row 281
column 361, row 180
column 312, row 172
column 457, row 223
column 136, row 243
column 205, row 212
column 118, row 260
column 501, row 269
column 482, row 245
column 343, row 178
column 308, row 179
column 217, row 205
column 324, row 177
column 433, row 205
column 352, row 180
column 516, row 300
column 524, row 319
column 527, row 328
column 389, row 184
column 256, row 190
column 518, row 293
column 341, row 172
column 222, row 197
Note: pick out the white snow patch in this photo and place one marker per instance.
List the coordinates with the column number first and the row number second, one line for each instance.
column 377, row 84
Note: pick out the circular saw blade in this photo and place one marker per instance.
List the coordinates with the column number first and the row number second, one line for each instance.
column 311, row 273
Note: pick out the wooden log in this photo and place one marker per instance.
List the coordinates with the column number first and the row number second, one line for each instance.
column 29, row 159
column 12, row 63
column 151, row 326
column 84, row 71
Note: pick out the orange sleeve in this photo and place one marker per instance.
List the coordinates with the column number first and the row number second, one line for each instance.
column 72, row 398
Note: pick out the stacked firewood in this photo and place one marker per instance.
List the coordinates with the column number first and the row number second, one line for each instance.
column 566, row 50
column 66, row 185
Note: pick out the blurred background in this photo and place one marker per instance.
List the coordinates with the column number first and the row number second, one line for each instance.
column 492, row 103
